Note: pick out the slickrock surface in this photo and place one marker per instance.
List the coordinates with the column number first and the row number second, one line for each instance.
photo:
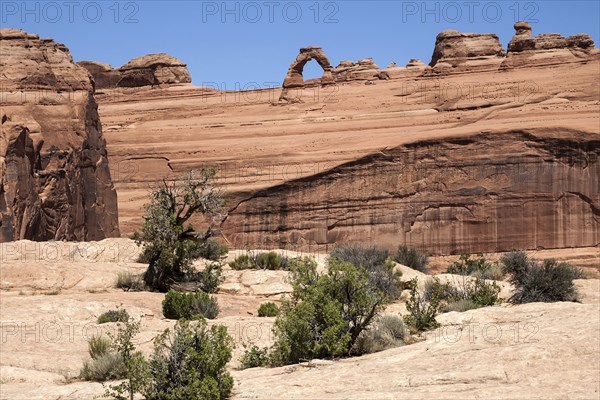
column 480, row 161
column 54, row 172
column 52, row 293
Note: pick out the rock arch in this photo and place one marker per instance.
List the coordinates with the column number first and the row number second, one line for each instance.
column 294, row 78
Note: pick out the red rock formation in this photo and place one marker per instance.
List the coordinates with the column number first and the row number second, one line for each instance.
column 54, row 172
column 153, row 69
column 148, row 70
column 457, row 52
column 551, row 48
column 294, row 78
column 104, row 75
column 364, row 69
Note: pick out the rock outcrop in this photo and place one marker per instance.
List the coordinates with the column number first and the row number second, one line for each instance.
column 148, row 70
column 154, row 69
column 524, row 49
column 55, row 178
column 104, row 75
column 414, row 67
column 362, row 70
column 458, row 52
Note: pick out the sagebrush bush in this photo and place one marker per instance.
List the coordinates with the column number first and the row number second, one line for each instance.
column 118, row 315
column 106, row 367
column 177, row 305
column 130, row 282
column 389, row 331
column 479, row 267
column 412, row 258
column 98, row 346
column 327, row 311
column 254, row 357
column 106, row 363
column 210, row 250
column 460, row 306
column 548, row 281
column 270, row 260
column 268, row 309
column 377, row 264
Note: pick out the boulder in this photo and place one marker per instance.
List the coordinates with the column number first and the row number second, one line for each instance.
column 459, row 52
column 55, row 182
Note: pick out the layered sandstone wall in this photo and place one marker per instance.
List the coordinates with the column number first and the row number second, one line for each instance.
column 55, row 178
column 492, row 192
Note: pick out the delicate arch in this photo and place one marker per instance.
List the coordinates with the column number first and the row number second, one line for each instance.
column 294, row 78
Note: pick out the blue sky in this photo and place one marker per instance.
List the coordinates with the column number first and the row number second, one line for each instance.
column 242, row 43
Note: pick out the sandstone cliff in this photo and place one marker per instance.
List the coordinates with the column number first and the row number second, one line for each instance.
column 56, row 182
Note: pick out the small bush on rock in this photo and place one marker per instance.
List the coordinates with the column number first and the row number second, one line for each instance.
column 478, row 267
column 422, row 311
column 377, row 264
column 105, row 363
column 389, row 331
column 268, row 309
column 254, row 357
column 119, row 315
column 548, row 281
column 177, row 305
column 270, row 261
column 327, row 312
column 130, row 282
column 412, row 258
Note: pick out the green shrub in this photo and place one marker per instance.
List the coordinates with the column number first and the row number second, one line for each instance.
column 460, row 306
column 209, row 278
column 548, row 281
column 177, row 305
column 271, row 261
column 211, row 250
column 268, row 309
column 254, row 357
column 190, row 363
column 327, row 312
column 477, row 266
column 106, row 363
column 389, row 331
column 422, row 311
column 119, row 315
column 130, row 282
column 106, row 367
column 243, row 261
column 412, row 258
column 376, row 262
column 98, row 346
column 473, row 293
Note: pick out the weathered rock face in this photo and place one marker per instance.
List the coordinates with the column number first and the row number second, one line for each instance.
column 364, row 69
column 470, row 51
column 56, row 182
column 104, row 75
column 153, row 69
column 449, row 197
